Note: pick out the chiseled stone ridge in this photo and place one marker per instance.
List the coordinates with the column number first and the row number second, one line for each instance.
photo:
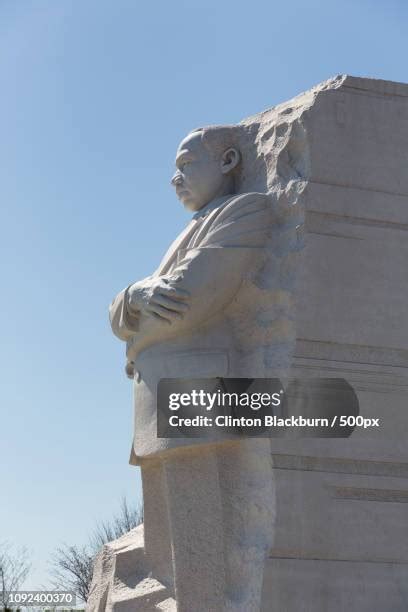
column 122, row 578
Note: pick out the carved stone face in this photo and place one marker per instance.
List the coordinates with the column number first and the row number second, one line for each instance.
column 202, row 176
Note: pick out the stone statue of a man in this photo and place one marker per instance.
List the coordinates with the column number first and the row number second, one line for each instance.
column 208, row 507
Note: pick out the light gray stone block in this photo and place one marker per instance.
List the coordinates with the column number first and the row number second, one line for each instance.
column 332, row 289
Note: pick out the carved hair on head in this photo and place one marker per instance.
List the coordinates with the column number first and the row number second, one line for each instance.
column 219, row 138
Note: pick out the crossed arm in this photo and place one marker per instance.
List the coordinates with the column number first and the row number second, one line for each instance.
column 203, row 282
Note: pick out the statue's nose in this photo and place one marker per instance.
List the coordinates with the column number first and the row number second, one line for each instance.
column 177, row 179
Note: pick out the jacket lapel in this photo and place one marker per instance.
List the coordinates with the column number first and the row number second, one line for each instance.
column 186, row 236
column 180, row 243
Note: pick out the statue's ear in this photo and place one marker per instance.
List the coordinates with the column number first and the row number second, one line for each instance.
column 230, row 160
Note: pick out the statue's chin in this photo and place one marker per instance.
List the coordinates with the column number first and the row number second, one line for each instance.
column 190, row 205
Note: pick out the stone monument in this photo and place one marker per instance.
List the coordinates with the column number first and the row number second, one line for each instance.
column 292, row 265
column 340, row 537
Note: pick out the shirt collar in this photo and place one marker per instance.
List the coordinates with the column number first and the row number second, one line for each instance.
column 205, row 210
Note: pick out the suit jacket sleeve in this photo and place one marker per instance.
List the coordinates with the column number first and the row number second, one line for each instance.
column 213, row 269
column 124, row 325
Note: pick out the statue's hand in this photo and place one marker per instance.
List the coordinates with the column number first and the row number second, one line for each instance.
column 157, row 298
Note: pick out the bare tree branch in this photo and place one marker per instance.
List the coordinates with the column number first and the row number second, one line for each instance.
column 73, row 570
column 14, row 569
column 118, row 526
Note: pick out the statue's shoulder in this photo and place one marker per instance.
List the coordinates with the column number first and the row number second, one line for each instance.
column 250, row 196
column 241, row 204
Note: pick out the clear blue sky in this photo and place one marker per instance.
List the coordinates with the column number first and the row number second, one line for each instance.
column 94, row 98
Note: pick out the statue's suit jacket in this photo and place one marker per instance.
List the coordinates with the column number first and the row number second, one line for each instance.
column 219, row 260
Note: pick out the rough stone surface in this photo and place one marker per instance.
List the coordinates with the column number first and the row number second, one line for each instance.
column 331, row 165
column 341, row 526
column 182, row 554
